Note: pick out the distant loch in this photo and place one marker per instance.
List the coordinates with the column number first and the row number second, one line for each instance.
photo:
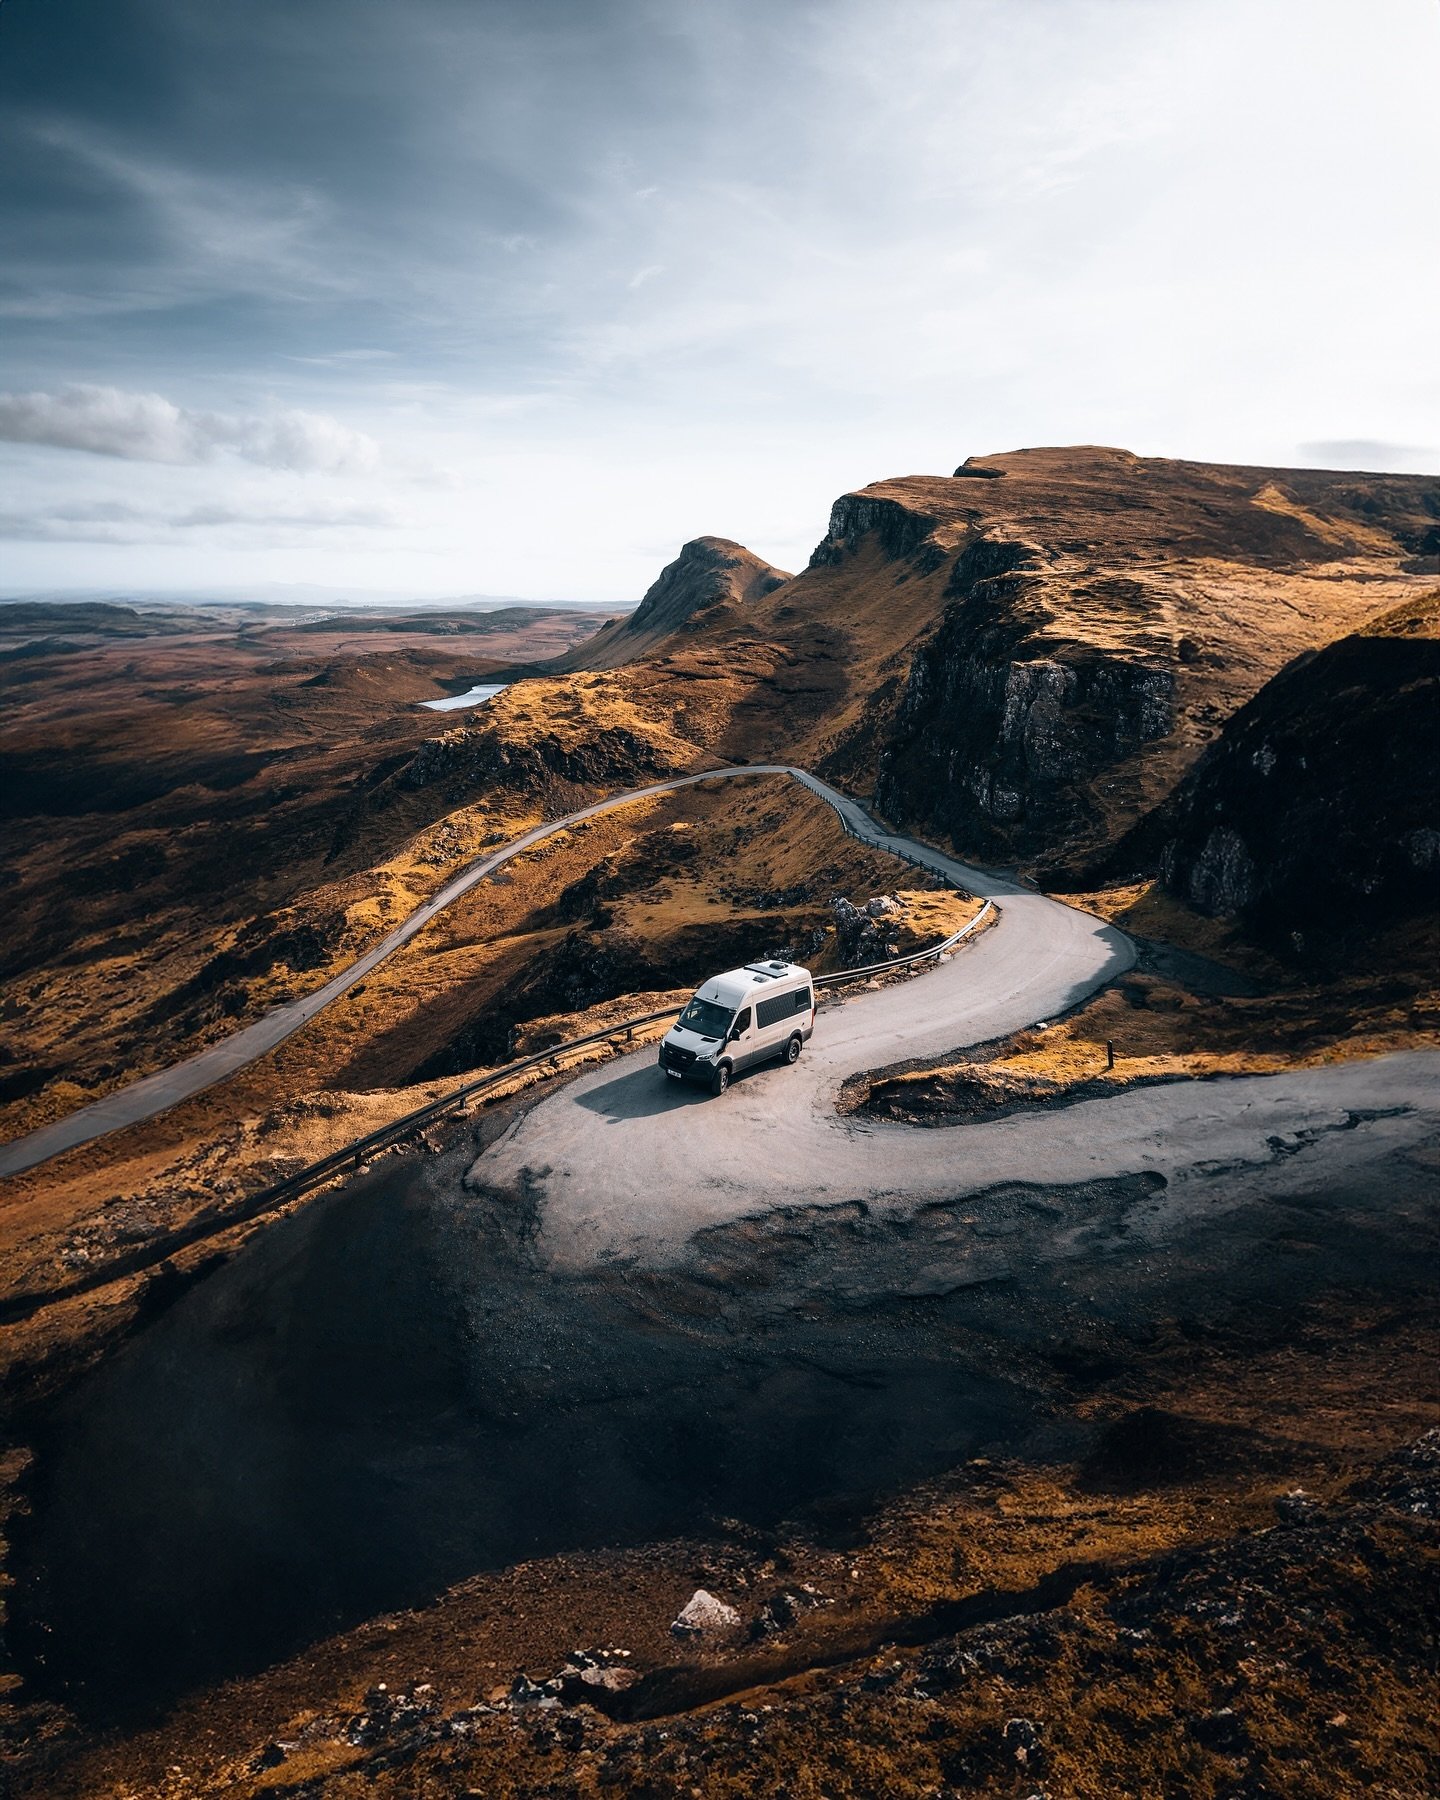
column 475, row 696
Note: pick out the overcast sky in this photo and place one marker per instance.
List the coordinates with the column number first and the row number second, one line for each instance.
column 515, row 296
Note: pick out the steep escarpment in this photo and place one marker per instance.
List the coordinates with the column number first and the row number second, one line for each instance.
column 1315, row 817
column 1025, row 657
column 709, row 572
column 1034, row 659
column 1003, row 731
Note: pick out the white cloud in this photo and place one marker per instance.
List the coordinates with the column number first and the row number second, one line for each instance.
column 143, row 427
column 661, row 271
column 118, row 522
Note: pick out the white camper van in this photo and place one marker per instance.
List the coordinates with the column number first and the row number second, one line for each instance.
column 738, row 1019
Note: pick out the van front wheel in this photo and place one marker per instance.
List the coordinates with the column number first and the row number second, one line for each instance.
column 720, row 1080
column 792, row 1049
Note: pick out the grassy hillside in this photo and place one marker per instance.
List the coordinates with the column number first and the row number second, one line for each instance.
column 710, row 576
column 1024, row 659
column 1026, row 664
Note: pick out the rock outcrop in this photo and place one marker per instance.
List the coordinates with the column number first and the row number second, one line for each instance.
column 704, row 1614
column 1316, row 814
column 709, row 573
column 469, row 759
column 900, row 530
column 1041, row 645
column 866, row 934
column 998, row 735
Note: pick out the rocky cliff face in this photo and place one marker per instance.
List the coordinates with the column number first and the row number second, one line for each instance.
column 1316, row 815
column 1053, row 637
column 901, row 531
column 998, row 736
column 709, row 573
column 1025, row 658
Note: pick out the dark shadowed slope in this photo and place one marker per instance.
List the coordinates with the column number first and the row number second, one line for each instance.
column 1316, row 814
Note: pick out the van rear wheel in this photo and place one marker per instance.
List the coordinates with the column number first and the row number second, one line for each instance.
column 720, row 1080
column 792, row 1049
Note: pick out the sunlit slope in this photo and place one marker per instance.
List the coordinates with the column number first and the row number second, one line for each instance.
column 1027, row 656
column 709, row 577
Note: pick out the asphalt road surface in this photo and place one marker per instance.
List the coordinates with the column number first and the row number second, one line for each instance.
column 624, row 1165
column 152, row 1094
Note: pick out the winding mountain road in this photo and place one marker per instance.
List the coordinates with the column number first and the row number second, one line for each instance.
column 621, row 1164
column 643, row 1309
column 1048, row 945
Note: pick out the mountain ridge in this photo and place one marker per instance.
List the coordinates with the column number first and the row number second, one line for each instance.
column 709, row 572
column 1027, row 664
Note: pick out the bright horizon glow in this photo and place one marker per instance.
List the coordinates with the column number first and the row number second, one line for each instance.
column 443, row 299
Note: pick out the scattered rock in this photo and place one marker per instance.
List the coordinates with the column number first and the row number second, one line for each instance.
column 1296, row 1507
column 865, row 933
column 784, row 1606
column 526, row 1694
column 703, row 1613
column 589, row 1673
column 885, row 1675
column 1022, row 1736
column 387, row 1712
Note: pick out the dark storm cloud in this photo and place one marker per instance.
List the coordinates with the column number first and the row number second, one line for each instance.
column 290, row 173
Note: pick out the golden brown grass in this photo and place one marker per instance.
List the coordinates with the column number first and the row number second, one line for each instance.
column 92, row 1012
column 1146, row 910
column 1322, row 1406
column 349, row 1070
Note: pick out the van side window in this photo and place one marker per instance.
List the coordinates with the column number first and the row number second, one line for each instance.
column 802, row 999
column 770, row 1012
column 742, row 1020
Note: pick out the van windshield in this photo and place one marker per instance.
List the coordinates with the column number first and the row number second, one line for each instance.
column 707, row 1018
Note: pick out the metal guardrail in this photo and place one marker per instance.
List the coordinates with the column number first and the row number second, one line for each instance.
column 210, row 1221
column 904, row 962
